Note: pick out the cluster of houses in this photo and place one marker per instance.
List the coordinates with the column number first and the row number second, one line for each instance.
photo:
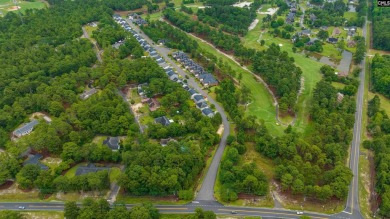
column 204, row 77
column 291, row 14
column 136, row 18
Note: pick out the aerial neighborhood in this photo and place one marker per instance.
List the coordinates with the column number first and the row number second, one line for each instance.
column 194, row 109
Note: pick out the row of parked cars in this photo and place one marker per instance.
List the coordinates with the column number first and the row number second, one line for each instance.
column 199, row 100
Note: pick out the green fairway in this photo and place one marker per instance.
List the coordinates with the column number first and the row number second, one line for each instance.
column 310, row 69
column 262, row 106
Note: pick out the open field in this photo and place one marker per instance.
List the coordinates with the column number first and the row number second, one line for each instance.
column 8, row 5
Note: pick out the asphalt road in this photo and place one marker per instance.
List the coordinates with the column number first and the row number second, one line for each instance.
column 206, row 192
column 182, row 209
column 352, row 207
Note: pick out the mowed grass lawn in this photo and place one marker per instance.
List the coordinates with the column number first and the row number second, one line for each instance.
column 262, row 105
column 349, row 15
column 310, row 70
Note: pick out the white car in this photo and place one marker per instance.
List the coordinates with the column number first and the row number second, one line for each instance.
column 22, row 207
column 299, row 212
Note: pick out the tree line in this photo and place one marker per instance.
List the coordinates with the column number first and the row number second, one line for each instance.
column 331, row 14
column 378, row 128
column 380, row 77
column 380, row 27
column 101, row 209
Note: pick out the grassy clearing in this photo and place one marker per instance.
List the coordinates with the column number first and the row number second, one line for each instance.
column 174, row 216
column 331, row 51
column 338, row 85
column 348, row 15
column 13, row 193
column 72, row 171
column 114, row 174
column 262, row 106
column 43, row 214
column 331, row 207
column 89, row 30
column 385, row 102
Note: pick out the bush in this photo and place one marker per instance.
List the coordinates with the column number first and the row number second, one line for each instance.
column 186, row 194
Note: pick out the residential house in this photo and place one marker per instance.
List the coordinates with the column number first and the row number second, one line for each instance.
column 208, row 80
column 87, row 93
column 163, row 120
column 201, row 105
column 162, row 41
column 133, row 16
column 198, row 98
column 312, row 17
column 305, row 32
column 152, row 103
column 90, row 168
column 208, row 112
column 336, row 31
column 140, row 89
column 192, row 92
column 34, row 159
column 25, row 129
column 325, row 28
column 332, row 40
column 112, row 143
column 290, row 18
column 47, row 119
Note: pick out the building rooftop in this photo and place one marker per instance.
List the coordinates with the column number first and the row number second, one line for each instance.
column 26, row 128
column 90, row 168
column 34, row 159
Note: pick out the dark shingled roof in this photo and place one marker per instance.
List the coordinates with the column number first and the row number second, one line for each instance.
column 112, row 142
column 34, row 159
column 90, row 168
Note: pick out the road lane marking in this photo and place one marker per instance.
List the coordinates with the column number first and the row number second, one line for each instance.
column 172, row 208
column 267, row 212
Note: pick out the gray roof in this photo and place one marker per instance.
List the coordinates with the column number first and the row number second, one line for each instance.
column 34, row 159
column 201, row 105
column 198, row 97
column 207, row 111
column 90, row 168
column 192, row 91
column 26, row 128
column 162, row 120
column 112, row 142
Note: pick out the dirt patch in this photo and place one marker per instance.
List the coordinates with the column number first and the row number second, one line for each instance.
column 13, row 8
column 136, row 108
column 253, row 24
column 6, row 185
column 220, row 130
column 52, row 161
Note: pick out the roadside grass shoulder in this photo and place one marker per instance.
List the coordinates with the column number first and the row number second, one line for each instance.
column 142, row 199
column 43, row 214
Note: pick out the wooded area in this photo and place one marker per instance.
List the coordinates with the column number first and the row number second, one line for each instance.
column 379, row 129
column 380, row 27
column 380, row 74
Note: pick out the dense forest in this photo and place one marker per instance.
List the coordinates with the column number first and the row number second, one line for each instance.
column 380, row 27
column 234, row 20
column 56, row 69
column 380, row 74
column 379, row 129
